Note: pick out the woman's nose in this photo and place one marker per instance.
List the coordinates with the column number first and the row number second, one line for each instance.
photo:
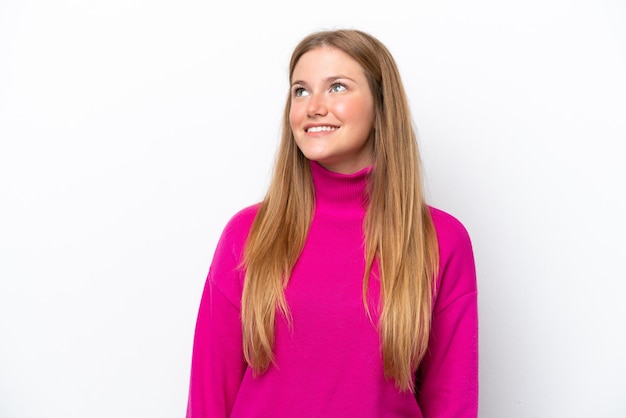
column 317, row 105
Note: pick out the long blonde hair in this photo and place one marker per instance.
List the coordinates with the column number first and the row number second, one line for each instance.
column 399, row 233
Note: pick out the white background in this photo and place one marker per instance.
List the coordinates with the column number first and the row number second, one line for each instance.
column 132, row 130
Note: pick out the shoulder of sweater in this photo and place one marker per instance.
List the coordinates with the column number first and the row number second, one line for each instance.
column 238, row 226
column 244, row 217
column 454, row 242
column 450, row 230
column 457, row 271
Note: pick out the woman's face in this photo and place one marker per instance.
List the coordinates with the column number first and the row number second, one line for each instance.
column 332, row 110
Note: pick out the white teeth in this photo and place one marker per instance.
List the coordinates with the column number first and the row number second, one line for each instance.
column 321, row 129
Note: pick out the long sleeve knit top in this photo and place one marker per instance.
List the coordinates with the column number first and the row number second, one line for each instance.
column 329, row 363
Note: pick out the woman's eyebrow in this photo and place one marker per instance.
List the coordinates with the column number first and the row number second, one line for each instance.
column 325, row 80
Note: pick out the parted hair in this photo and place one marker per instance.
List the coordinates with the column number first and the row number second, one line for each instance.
column 399, row 233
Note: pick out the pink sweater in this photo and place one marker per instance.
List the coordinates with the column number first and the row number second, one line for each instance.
column 329, row 365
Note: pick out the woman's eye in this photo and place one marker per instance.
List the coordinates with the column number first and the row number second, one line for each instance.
column 300, row 91
column 337, row 87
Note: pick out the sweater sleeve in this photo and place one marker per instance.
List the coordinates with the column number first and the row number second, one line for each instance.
column 448, row 375
column 218, row 364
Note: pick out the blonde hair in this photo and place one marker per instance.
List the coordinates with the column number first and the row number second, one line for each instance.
column 399, row 233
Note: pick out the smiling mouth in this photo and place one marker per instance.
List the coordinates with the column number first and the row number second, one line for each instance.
column 321, row 129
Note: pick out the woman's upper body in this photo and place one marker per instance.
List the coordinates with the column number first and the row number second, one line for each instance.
column 342, row 293
column 328, row 362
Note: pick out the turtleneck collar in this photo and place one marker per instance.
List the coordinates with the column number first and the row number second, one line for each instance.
column 340, row 193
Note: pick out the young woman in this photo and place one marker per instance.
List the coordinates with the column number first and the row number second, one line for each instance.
column 342, row 294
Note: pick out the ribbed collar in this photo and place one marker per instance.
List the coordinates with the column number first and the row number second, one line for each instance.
column 342, row 194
